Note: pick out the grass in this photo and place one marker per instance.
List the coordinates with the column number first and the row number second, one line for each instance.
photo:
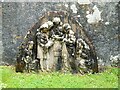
column 11, row 79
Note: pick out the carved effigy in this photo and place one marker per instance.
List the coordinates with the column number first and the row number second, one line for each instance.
column 52, row 45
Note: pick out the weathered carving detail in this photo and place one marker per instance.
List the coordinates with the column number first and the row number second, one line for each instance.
column 52, row 45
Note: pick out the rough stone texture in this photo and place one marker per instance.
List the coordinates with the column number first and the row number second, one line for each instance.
column 1, row 47
column 18, row 17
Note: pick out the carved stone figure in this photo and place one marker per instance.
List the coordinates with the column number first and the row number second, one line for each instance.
column 65, row 58
column 41, row 49
column 82, row 56
column 43, row 44
column 28, row 58
column 70, row 44
column 57, row 36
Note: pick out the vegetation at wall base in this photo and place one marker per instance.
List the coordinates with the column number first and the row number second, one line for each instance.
column 11, row 79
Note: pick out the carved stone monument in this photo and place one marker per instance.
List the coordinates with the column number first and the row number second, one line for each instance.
column 53, row 44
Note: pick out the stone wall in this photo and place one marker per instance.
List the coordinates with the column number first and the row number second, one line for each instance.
column 18, row 17
column 1, row 47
